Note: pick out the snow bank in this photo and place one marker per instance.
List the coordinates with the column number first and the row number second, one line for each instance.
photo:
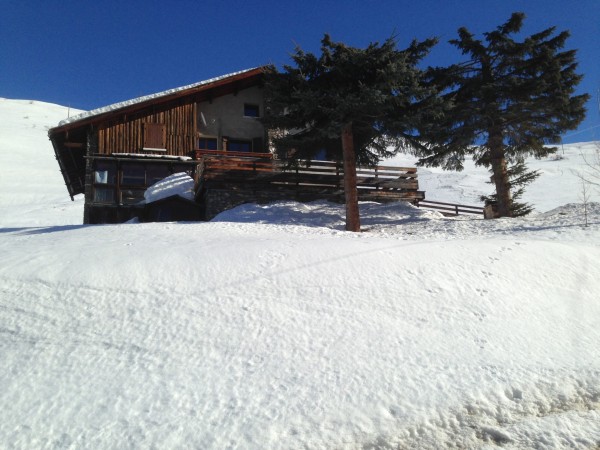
column 281, row 334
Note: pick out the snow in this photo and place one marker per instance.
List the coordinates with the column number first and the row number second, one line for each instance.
column 134, row 101
column 557, row 185
column 180, row 184
column 272, row 328
column 32, row 190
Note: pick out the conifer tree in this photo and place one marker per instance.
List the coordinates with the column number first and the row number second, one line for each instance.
column 507, row 102
column 357, row 105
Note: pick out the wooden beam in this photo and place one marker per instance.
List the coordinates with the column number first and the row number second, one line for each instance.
column 73, row 144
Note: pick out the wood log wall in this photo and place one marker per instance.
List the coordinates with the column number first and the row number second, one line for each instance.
column 126, row 133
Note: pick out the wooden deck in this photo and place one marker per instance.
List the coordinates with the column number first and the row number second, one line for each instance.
column 260, row 172
column 257, row 171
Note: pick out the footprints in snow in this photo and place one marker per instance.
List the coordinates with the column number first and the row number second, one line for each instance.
column 482, row 292
column 493, row 259
column 271, row 260
column 487, row 274
column 479, row 315
column 503, row 249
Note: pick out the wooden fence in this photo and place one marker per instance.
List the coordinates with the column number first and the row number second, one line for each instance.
column 450, row 208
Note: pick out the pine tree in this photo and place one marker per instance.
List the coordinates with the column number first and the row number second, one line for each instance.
column 518, row 177
column 507, row 102
column 357, row 105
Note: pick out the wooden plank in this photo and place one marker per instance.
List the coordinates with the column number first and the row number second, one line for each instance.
column 402, row 169
column 241, row 167
column 203, row 153
column 452, row 204
column 398, row 184
column 73, row 144
column 451, row 207
column 311, row 170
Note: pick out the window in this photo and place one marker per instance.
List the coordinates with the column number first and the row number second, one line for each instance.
column 131, row 196
column 205, row 143
column 104, row 195
column 251, row 110
column 239, row 145
column 125, row 182
column 133, row 175
column 133, row 183
column 105, row 173
column 321, row 155
column 105, row 180
column 155, row 173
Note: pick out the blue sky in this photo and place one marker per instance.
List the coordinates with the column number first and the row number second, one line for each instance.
column 87, row 54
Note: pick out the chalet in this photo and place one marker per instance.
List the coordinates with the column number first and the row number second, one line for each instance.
column 210, row 130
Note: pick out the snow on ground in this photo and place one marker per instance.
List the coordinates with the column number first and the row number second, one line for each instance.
column 272, row 328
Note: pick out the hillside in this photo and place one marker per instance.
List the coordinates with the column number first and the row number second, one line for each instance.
column 272, row 328
column 32, row 191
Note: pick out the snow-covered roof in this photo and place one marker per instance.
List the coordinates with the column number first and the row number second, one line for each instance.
column 126, row 103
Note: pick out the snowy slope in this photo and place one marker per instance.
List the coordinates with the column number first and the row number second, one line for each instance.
column 557, row 185
column 32, row 190
column 272, row 328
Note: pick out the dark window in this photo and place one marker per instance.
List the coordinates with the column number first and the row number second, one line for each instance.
column 131, row 196
column 155, row 173
column 238, row 145
column 179, row 168
column 321, row 155
column 251, row 110
column 133, row 175
column 207, row 143
column 104, row 194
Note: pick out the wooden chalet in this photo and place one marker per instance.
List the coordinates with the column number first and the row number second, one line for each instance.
column 209, row 130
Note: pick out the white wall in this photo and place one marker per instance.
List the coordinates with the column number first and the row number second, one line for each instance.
column 224, row 116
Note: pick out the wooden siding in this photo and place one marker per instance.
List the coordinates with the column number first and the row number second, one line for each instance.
column 127, row 134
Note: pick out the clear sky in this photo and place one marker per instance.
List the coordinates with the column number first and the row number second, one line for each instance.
column 86, row 54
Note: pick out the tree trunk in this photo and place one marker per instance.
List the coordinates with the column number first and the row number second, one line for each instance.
column 350, row 191
column 500, row 172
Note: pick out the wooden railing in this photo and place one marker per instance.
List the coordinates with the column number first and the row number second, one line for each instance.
column 225, row 170
column 228, row 154
column 318, row 172
column 450, row 208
